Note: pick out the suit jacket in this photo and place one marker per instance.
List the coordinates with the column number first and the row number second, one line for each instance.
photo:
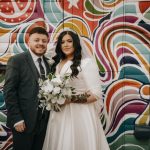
column 21, row 90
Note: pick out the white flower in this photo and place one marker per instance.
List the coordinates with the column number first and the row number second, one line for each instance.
column 67, row 92
column 40, row 82
column 56, row 90
column 47, row 86
column 48, row 107
column 51, row 61
column 61, row 100
column 57, row 80
column 54, row 100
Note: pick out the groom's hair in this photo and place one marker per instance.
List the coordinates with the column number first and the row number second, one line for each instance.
column 39, row 30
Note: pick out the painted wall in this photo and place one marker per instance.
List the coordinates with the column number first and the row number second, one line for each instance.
column 117, row 31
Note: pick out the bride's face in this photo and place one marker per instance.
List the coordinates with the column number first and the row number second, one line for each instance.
column 67, row 46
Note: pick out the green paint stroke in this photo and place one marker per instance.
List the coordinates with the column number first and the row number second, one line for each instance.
column 92, row 10
column 129, row 142
column 2, row 117
column 2, row 77
column 101, row 68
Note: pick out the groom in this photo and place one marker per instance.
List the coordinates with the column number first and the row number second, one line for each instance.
column 27, row 121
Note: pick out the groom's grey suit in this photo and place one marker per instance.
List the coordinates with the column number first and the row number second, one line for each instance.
column 21, row 95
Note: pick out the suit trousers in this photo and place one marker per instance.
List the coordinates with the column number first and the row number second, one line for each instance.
column 33, row 140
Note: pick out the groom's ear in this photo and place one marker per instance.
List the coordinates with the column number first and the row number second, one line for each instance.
column 28, row 42
column 48, row 39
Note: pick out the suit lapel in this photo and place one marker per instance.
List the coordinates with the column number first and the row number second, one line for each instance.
column 32, row 66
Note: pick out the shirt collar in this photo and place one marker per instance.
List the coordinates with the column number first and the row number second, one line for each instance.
column 34, row 56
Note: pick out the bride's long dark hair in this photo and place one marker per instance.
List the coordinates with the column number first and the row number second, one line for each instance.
column 61, row 56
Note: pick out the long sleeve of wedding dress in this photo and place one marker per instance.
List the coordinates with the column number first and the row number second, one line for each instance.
column 93, row 82
column 77, row 126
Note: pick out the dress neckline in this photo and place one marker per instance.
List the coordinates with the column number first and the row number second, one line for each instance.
column 64, row 68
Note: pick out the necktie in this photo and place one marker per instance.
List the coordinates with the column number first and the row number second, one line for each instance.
column 42, row 71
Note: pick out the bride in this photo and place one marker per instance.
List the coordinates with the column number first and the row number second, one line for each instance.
column 77, row 126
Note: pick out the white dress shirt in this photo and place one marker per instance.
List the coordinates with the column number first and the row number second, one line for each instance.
column 35, row 58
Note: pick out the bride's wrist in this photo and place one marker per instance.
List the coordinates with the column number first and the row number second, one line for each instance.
column 79, row 99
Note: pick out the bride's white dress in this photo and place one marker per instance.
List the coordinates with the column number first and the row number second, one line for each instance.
column 77, row 126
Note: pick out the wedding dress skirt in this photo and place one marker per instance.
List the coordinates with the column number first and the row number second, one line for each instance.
column 77, row 126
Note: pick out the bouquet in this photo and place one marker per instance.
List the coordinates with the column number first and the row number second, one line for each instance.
column 54, row 91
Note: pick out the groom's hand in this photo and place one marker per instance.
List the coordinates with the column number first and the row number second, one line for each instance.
column 20, row 127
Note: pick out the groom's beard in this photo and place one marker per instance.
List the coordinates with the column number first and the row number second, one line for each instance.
column 39, row 51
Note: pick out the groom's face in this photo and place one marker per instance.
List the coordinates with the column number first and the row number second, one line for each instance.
column 38, row 43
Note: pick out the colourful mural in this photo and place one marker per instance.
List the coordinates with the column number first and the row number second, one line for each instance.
column 116, row 31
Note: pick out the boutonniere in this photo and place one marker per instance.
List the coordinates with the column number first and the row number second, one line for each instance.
column 50, row 54
column 50, row 61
